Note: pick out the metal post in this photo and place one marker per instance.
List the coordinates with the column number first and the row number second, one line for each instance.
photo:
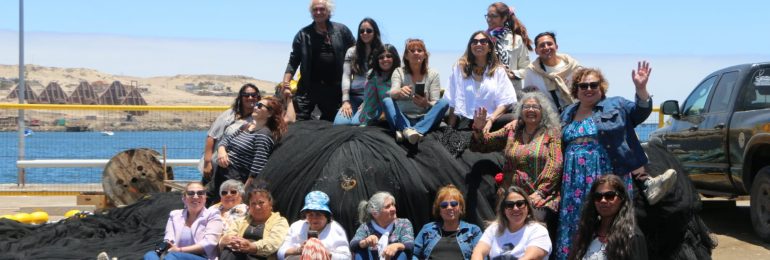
column 22, row 91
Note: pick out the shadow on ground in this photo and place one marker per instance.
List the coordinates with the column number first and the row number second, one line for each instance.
column 724, row 218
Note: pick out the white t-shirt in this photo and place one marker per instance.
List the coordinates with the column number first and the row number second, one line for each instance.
column 532, row 234
column 532, row 79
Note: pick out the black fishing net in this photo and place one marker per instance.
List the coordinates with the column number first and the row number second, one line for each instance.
column 350, row 164
column 126, row 233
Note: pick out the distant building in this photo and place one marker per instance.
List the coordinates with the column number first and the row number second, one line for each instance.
column 53, row 94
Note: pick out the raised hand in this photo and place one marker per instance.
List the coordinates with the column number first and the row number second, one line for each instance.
column 641, row 75
column 479, row 119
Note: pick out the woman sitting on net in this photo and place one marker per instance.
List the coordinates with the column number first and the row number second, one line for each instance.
column 231, row 207
column 381, row 234
column 192, row 232
column 258, row 235
column 316, row 236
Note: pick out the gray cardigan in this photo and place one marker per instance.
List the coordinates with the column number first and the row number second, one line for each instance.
column 405, row 104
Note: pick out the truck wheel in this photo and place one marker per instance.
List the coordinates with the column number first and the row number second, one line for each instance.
column 760, row 203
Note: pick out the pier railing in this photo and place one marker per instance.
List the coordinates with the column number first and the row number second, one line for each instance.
column 67, row 146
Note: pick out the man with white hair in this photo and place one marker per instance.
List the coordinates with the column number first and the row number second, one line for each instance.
column 319, row 51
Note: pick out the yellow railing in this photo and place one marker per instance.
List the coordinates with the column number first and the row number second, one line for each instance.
column 110, row 107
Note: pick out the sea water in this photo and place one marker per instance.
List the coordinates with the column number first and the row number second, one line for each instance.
column 94, row 145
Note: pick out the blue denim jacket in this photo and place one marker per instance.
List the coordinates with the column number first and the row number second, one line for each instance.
column 467, row 237
column 616, row 118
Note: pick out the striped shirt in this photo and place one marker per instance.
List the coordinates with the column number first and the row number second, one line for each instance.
column 248, row 151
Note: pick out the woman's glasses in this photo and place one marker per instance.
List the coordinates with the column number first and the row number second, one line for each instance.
column 367, row 31
column 479, row 41
column 530, row 107
column 385, row 56
column 191, row 193
column 255, row 94
column 586, row 85
column 446, row 204
column 608, row 196
column 231, row 192
column 491, row 16
column 510, row 204
column 260, row 106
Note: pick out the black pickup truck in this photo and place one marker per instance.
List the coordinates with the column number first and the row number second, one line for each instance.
column 720, row 137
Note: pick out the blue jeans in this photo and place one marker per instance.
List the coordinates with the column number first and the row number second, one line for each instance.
column 355, row 102
column 173, row 256
column 398, row 121
column 365, row 254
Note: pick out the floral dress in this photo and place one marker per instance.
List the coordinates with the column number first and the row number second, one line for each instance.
column 584, row 161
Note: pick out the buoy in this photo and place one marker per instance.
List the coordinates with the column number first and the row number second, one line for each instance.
column 71, row 213
column 23, row 218
column 39, row 217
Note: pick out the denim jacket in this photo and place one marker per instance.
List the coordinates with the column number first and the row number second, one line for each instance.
column 615, row 119
column 467, row 237
column 301, row 50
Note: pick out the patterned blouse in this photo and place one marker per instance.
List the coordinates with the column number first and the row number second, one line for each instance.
column 535, row 166
column 375, row 91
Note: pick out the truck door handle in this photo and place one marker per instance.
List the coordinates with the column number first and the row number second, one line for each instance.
column 719, row 126
column 693, row 128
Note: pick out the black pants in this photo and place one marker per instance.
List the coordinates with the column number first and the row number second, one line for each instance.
column 326, row 95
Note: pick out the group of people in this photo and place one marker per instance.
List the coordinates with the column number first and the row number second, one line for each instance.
column 573, row 161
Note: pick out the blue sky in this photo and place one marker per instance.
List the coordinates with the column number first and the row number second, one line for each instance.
column 684, row 40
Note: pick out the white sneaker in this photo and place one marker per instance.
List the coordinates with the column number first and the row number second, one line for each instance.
column 399, row 136
column 658, row 186
column 412, row 135
column 102, row 256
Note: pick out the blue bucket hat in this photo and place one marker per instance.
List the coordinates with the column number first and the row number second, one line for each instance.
column 316, row 200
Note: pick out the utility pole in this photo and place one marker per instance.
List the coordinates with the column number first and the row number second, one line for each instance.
column 22, row 91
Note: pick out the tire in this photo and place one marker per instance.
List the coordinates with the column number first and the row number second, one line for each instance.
column 760, row 203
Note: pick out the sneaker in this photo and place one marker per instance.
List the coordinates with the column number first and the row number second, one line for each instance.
column 102, row 256
column 399, row 136
column 658, row 186
column 412, row 135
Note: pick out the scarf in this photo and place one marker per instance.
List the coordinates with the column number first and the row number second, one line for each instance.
column 498, row 38
column 555, row 81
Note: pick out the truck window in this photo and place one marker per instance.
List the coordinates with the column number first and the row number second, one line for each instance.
column 696, row 102
column 756, row 94
column 723, row 93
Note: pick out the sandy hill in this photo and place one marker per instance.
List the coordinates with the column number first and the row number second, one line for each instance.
column 160, row 90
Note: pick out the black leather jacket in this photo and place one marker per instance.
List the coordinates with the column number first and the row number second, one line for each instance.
column 301, row 49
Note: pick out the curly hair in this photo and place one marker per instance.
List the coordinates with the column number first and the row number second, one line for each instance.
column 467, row 62
column 237, row 105
column 329, row 4
column 276, row 123
column 582, row 72
column 502, row 220
column 448, row 192
column 549, row 116
column 621, row 230
column 359, row 56
column 513, row 23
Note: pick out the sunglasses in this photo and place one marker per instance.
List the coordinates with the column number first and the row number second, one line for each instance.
column 367, row 30
column 491, row 16
column 608, row 196
column 385, row 56
column 479, row 41
column 231, row 192
column 510, row 204
column 260, row 106
column 446, row 204
column 255, row 94
column 592, row 85
column 191, row 193
column 319, row 9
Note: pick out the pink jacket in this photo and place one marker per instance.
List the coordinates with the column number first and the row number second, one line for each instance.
column 207, row 229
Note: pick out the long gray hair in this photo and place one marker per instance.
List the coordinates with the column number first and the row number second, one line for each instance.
column 549, row 117
column 374, row 205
